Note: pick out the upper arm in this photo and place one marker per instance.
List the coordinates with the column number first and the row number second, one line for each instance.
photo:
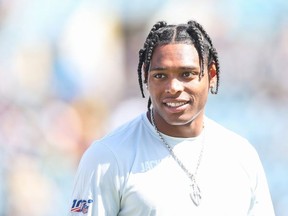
column 96, row 188
column 261, row 203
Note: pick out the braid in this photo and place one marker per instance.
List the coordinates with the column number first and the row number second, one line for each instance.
column 200, row 27
column 141, row 59
column 145, row 54
column 149, row 103
column 151, row 41
column 199, row 45
column 217, row 65
column 213, row 52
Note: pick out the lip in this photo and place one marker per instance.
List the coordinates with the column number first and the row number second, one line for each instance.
column 176, row 106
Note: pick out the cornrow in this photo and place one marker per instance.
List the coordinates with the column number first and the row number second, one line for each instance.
column 213, row 52
column 149, row 103
column 191, row 33
column 195, row 33
column 151, row 41
column 200, row 27
column 145, row 54
column 141, row 60
column 217, row 65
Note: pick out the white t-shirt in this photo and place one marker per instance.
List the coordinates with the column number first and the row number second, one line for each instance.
column 130, row 172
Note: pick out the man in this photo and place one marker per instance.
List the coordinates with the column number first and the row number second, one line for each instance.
column 173, row 160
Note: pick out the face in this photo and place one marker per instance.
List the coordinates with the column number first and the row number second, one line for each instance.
column 177, row 94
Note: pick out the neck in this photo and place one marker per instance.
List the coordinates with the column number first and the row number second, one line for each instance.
column 192, row 128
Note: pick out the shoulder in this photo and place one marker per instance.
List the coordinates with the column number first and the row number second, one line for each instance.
column 227, row 145
column 227, row 139
column 125, row 133
column 116, row 143
column 217, row 131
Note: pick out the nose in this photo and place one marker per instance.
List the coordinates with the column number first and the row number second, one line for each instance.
column 174, row 85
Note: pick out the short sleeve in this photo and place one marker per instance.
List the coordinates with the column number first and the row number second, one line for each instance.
column 261, row 203
column 96, row 188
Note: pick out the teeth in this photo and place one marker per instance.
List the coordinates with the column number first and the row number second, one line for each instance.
column 175, row 104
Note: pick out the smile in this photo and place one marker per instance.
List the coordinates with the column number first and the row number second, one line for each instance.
column 175, row 104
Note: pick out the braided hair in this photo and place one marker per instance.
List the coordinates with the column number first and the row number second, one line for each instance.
column 190, row 33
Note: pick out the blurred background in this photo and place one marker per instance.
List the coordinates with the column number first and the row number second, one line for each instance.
column 68, row 75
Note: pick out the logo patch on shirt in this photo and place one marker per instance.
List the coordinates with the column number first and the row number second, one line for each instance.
column 81, row 205
column 148, row 165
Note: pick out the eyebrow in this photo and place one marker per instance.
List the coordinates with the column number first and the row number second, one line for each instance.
column 178, row 68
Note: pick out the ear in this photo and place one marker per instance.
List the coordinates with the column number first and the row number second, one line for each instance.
column 212, row 74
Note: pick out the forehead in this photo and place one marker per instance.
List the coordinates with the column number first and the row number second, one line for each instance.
column 174, row 56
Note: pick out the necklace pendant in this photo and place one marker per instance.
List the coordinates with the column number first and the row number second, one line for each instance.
column 195, row 193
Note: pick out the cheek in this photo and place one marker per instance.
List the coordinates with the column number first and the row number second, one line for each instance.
column 153, row 87
column 154, row 90
column 197, row 87
column 199, row 91
column 155, row 93
column 202, row 96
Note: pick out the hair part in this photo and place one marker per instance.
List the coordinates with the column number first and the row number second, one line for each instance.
column 190, row 33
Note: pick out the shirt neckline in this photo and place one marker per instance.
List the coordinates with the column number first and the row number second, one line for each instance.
column 170, row 139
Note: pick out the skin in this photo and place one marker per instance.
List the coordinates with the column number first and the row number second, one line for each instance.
column 177, row 94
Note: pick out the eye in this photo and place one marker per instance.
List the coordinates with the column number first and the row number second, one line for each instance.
column 186, row 74
column 189, row 74
column 159, row 75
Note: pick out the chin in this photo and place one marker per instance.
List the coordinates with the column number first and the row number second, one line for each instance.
column 183, row 119
column 180, row 121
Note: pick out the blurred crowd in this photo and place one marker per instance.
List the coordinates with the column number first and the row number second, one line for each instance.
column 68, row 74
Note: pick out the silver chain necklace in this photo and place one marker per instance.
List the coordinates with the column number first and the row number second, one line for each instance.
column 195, row 193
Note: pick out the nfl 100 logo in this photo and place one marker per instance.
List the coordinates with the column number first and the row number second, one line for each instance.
column 81, row 205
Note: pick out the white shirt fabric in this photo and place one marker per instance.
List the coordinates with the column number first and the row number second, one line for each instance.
column 130, row 172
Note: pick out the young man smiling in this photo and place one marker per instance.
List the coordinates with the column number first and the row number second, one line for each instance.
column 173, row 160
column 177, row 90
